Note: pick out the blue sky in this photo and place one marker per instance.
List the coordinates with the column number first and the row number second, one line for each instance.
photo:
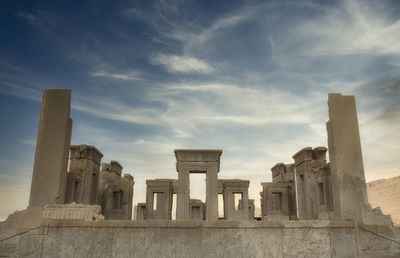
column 248, row 77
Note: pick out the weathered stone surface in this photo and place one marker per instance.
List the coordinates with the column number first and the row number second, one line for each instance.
column 278, row 201
column 141, row 211
column 197, row 161
column 83, row 174
column 252, row 208
column 115, row 193
column 159, row 195
column 26, row 221
column 72, row 211
column 313, row 183
column 69, row 238
column 385, row 193
column 52, row 146
column 345, row 155
column 230, row 188
column 197, row 209
column 283, row 173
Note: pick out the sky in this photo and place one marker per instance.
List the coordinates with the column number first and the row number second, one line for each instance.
column 148, row 77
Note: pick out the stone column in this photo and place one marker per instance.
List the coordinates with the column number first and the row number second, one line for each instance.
column 141, row 211
column 52, row 147
column 305, row 187
column 346, row 161
column 183, row 195
column 308, row 163
column 127, row 183
column 252, row 209
column 212, row 194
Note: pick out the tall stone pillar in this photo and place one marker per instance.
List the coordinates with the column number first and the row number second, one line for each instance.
column 346, row 162
column 183, row 195
column 212, row 194
column 52, row 147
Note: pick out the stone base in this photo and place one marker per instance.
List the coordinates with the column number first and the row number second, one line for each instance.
column 78, row 238
column 73, row 211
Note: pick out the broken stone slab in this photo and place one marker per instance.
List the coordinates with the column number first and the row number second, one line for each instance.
column 73, row 211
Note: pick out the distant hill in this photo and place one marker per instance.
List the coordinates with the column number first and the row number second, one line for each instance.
column 385, row 193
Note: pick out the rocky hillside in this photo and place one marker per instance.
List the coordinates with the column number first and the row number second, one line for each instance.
column 385, row 193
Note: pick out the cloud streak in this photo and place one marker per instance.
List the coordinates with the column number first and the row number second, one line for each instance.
column 182, row 64
column 131, row 76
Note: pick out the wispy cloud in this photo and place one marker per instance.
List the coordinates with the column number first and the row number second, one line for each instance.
column 352, row 27
column 182, row 64
column 41, row 19
column 117, row 76
column 193, row 39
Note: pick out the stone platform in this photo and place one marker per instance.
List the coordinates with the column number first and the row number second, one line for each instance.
column 78, row 238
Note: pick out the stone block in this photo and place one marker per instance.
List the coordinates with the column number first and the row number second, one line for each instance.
column 72, row 211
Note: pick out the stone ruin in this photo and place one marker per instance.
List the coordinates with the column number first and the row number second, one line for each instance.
column 310, row 209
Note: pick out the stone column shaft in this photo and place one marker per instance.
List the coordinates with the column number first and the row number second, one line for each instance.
column 183, row 195
column 51, row 158
column 346, row 162
column 212, row 194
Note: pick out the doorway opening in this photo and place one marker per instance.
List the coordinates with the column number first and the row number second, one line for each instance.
column 197, row 186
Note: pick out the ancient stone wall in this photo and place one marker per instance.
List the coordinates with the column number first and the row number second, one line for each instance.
column 73, row 238
column 385, row 193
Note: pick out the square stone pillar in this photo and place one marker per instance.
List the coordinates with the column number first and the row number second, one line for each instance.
column 52, row 146
column 304, row 183
column 284, row 174
column 346, row 161
column 141, row 211
column 324, row 189
column 252, row 208
column 183, row 195
column 308, row 162
column 212, row 193
column 197, row 161
column 277, row 201
column 115, row 192
column 83, row 174
column 127, row 185
column 232, row 187
column 164, row 190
